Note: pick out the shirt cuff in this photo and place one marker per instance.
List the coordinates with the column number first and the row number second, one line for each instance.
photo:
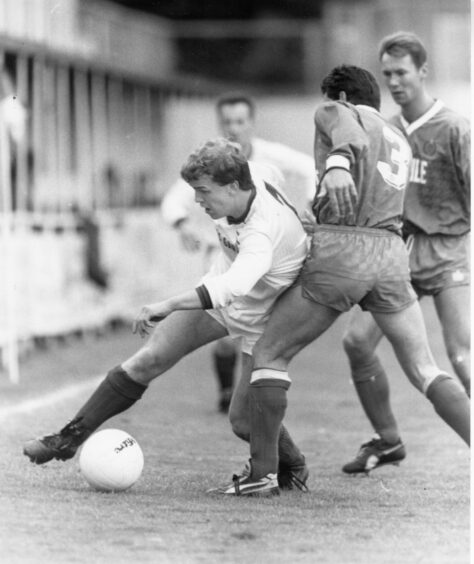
column 205, row 297
column 338, row 161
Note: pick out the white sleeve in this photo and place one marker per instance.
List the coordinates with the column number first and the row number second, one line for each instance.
column 268, row 172
column 253, row 261
column 177, row 203
column 293, row 162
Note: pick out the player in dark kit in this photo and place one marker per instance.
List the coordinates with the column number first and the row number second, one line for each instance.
column 357, row 256
column 436, row 227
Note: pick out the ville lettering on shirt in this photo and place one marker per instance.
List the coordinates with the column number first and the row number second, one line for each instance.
column 418, row 171
column 233, row 246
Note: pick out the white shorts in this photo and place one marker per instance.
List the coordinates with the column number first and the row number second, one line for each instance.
column 241, row 324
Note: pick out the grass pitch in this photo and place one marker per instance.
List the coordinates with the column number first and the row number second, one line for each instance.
column 415, row 514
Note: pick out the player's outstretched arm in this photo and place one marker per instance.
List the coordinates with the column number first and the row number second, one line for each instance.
column 154, row 313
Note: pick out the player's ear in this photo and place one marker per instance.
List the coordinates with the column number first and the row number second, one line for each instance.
column 342, row 96
column 424, row 70
column 234, row 187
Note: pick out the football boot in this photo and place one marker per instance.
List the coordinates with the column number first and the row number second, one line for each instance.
column 375, row 453
column 59, row 446
column 293, row 477
column 243, row 485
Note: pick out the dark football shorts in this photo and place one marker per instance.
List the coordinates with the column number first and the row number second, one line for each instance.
column 438, row 262
column 353, row 265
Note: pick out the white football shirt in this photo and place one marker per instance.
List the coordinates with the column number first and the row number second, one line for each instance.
column 259, row 258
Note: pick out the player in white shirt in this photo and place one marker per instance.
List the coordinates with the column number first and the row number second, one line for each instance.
column 262, row 247
column 289, row 168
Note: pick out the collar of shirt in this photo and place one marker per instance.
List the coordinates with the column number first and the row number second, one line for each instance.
column 243, row 217
column 369, row 108
column 414, row 125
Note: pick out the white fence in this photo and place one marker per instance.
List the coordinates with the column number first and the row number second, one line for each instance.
column 50, row 291
column 103, row 139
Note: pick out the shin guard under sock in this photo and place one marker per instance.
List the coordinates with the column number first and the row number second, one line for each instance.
column 267, row 398
column 451, row 404
column 116, row 393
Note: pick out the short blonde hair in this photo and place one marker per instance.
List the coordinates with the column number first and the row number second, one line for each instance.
column 220, row 159
column 404, row 43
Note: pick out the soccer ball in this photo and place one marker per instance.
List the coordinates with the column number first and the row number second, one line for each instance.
column 111, row 460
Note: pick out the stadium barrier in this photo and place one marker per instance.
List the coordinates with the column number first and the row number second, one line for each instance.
column 139, row 254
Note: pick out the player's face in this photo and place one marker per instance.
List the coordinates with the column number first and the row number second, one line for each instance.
column 403, row 78
column 236, row 123
column 215, row 199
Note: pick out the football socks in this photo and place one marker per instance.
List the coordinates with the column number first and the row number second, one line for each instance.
column 268, row 403
column 289, row 454
column 452, row 404
column 116, row 393
column 372, row 386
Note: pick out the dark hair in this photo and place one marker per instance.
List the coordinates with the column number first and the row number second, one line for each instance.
column 359, row 85
column 221, row 160
column 404, row 43
column 232, row 98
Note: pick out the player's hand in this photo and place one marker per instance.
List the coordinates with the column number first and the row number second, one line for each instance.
column 149, row 316
column 339, row 186
column 309, row 222
column 190, row 238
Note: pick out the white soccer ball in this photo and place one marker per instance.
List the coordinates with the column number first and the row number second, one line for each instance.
column 111, row 460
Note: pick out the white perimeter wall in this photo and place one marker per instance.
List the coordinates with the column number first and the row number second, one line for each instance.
column 49, row 291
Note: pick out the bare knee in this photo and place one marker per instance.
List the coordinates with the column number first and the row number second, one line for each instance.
column 458, row 353
column 357, row 346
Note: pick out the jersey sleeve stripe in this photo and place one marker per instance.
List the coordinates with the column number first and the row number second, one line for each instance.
column 205, row 297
